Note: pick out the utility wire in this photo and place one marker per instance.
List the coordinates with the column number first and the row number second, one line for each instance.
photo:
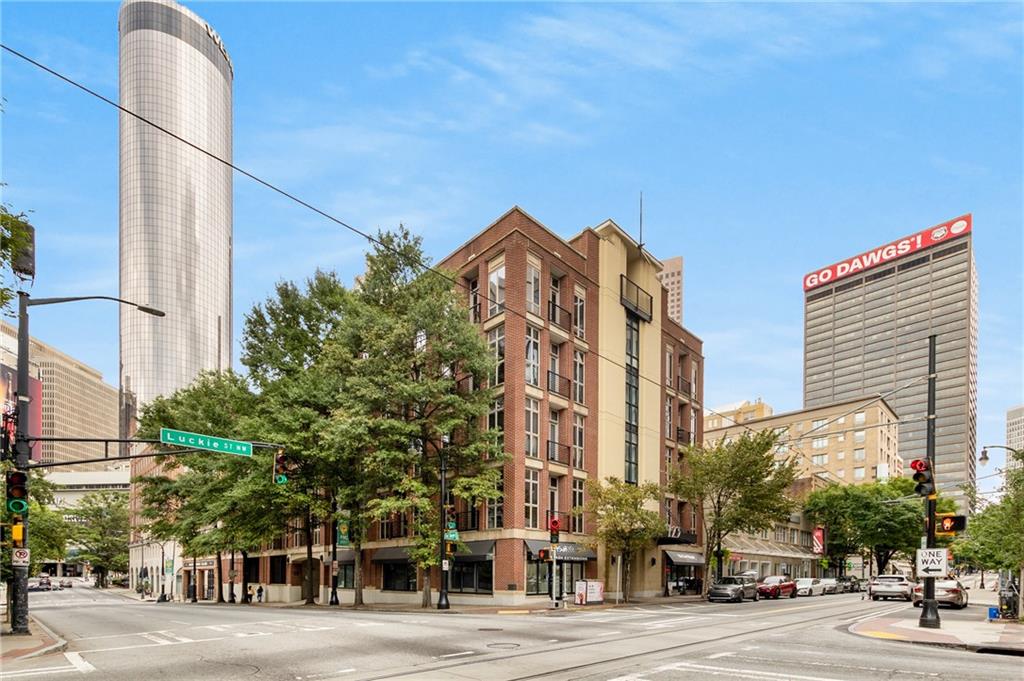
column 415, row 262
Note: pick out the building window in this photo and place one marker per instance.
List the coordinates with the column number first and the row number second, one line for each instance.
column 532, row 356
column 555, row 293
column 858, row 436
column 577, row 505
column 553, row 497
column 496, row 417
column 668, row 366
column 819, row 459
column 496, row 509
column 817, row 423
column 532, row 427
column 668, row 417
column 693, row 425
column 554, row 426
column 841, row 472
column 474, row 301
column 496, row 341
column 577, row 441
column 533, row 289
column 532, row 498
column 632, row 444
column 840, row 456
column 858, row 473
column 472, row 578
column 693, row 517
column 538, row 574
column 858, row 418
column 794, row 537
column 858, row 455
column 278, row 569
column 496, row 291
column 819, row 443
column 780, row 533
column 346, row 576
column 577, row 375
column 399, row 576
column 579, row 315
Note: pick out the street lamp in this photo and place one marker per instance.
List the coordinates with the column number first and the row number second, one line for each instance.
column 983, row 459
column 22, row 450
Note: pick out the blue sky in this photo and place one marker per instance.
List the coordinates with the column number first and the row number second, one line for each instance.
column 768, row 140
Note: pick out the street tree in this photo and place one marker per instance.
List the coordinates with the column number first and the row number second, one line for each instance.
column 48, row 540
column 625, row 520
column 414, row 369
column 282, row 349
column 739, row 484
column 15, row 231
column 102, row 531
column 833, row 508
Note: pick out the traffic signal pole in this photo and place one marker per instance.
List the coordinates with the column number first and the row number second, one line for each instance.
column 22, row 452
column 929, row 607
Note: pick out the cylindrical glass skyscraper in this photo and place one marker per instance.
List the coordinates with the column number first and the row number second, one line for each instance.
column 175, row 213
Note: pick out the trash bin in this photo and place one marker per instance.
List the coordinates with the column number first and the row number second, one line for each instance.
column 993, row 612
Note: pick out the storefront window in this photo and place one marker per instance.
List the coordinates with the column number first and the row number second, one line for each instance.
column 347, row 576
column 472, row 577
column 399, row 577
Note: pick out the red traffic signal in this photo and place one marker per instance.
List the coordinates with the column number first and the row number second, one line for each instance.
column 554, row 525
column 919, row 464
column 544, row 554
column 923, row 477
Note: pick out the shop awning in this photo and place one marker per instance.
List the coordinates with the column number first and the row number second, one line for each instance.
column 346, row 556
column 391, row 554
column 685, row 558
column 567, row 551
column 476, row 552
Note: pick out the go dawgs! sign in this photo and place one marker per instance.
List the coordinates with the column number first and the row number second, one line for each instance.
column 883, row 254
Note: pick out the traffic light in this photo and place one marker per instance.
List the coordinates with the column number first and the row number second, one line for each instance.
column 449, row 548
column 18, row 535
column 17, row 492
column 949, row 524
column 923, row 477
column 553, row 526
column 280, row 468
column 544, row 554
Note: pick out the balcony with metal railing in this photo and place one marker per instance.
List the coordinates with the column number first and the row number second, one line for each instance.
column 559, row 316
column 559, row 384
column 558, row 453
column 635, row 298
column 475, row 314
column 684, row 436
column 684, row 386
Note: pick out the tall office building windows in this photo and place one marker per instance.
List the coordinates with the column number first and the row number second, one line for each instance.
column 632, row 473
column 496, row 291
column 532, row 356
column 532, row 427
column 533, row 289
column 531, row 496
column 496, row 341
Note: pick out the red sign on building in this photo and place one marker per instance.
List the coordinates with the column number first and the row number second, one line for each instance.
column 819, row 540
column 883, row 254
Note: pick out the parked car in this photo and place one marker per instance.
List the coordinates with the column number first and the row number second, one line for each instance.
column 809, row 586
column 66, row 583
column 830, row 585
column 776, row 586
column 733, row 588
column 948, row 591
column 850, row 584
column 44, row 583
column 890, row 586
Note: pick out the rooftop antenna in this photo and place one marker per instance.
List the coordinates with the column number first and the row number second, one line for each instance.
column 641, row 221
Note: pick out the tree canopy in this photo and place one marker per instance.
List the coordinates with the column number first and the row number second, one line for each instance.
column 102, row 530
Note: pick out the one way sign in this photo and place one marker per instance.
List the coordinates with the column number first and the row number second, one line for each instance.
column 932, row 563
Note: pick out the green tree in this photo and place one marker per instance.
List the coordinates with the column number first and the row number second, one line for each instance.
column 833, row 508
column 48, row 539
column 14, row 237
column 413, row 368
column 282, row 348
column 738, row 484
column 626, row 519
column 102, row 532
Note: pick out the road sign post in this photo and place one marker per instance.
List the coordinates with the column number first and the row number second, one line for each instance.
column 19, row 557
column 210, row 443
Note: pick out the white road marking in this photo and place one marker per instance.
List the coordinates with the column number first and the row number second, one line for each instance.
column 36, row 672
column 875, row 613
column 217, row 627
column 751, row 673
column 839, row 666
column 323, row 674
column 242, row 634
column 675, row 620
column 152, row 645
column 80, row 664
column 552, row 640
column 156, row 639
column 180, row 622
column 465, row 652
column 174, row 637
column 718, row 655
column 609, row 633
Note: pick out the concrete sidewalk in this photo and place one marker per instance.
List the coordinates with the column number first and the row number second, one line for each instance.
column 980, row 635
column 39, row 641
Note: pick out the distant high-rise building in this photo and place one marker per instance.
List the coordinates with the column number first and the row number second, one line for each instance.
column 175, row 218
column 1014, row 436
column 671, row 277
column 76, row 402
column 866, row 325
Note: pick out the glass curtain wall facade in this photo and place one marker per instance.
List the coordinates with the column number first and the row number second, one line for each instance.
column 176, row 203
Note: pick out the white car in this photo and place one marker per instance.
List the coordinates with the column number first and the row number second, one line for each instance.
column 808, row 586
column 890, row 586
column 830, row 585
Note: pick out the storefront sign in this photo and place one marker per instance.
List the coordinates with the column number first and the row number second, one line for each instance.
column 883, row 254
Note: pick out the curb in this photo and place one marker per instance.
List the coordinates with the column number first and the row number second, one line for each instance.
column 58, row 645
column 983, row 648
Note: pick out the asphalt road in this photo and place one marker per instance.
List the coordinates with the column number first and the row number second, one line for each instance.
column 111, row 637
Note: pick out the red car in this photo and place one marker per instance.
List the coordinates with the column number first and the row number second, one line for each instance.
column 776, row 587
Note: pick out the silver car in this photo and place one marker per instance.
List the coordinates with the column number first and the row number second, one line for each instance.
column 890, row 586
column 948, row 591
column 830, row 585
column 733, row 588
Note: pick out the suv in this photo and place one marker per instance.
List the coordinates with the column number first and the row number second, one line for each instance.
column 890, row 586
column 733, row 588
column 777, row 586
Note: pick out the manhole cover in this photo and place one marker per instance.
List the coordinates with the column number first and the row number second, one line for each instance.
column 490, row 629
column 503, row 646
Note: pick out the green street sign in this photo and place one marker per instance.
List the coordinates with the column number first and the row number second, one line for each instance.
column 210, row 443
column 451, row 535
